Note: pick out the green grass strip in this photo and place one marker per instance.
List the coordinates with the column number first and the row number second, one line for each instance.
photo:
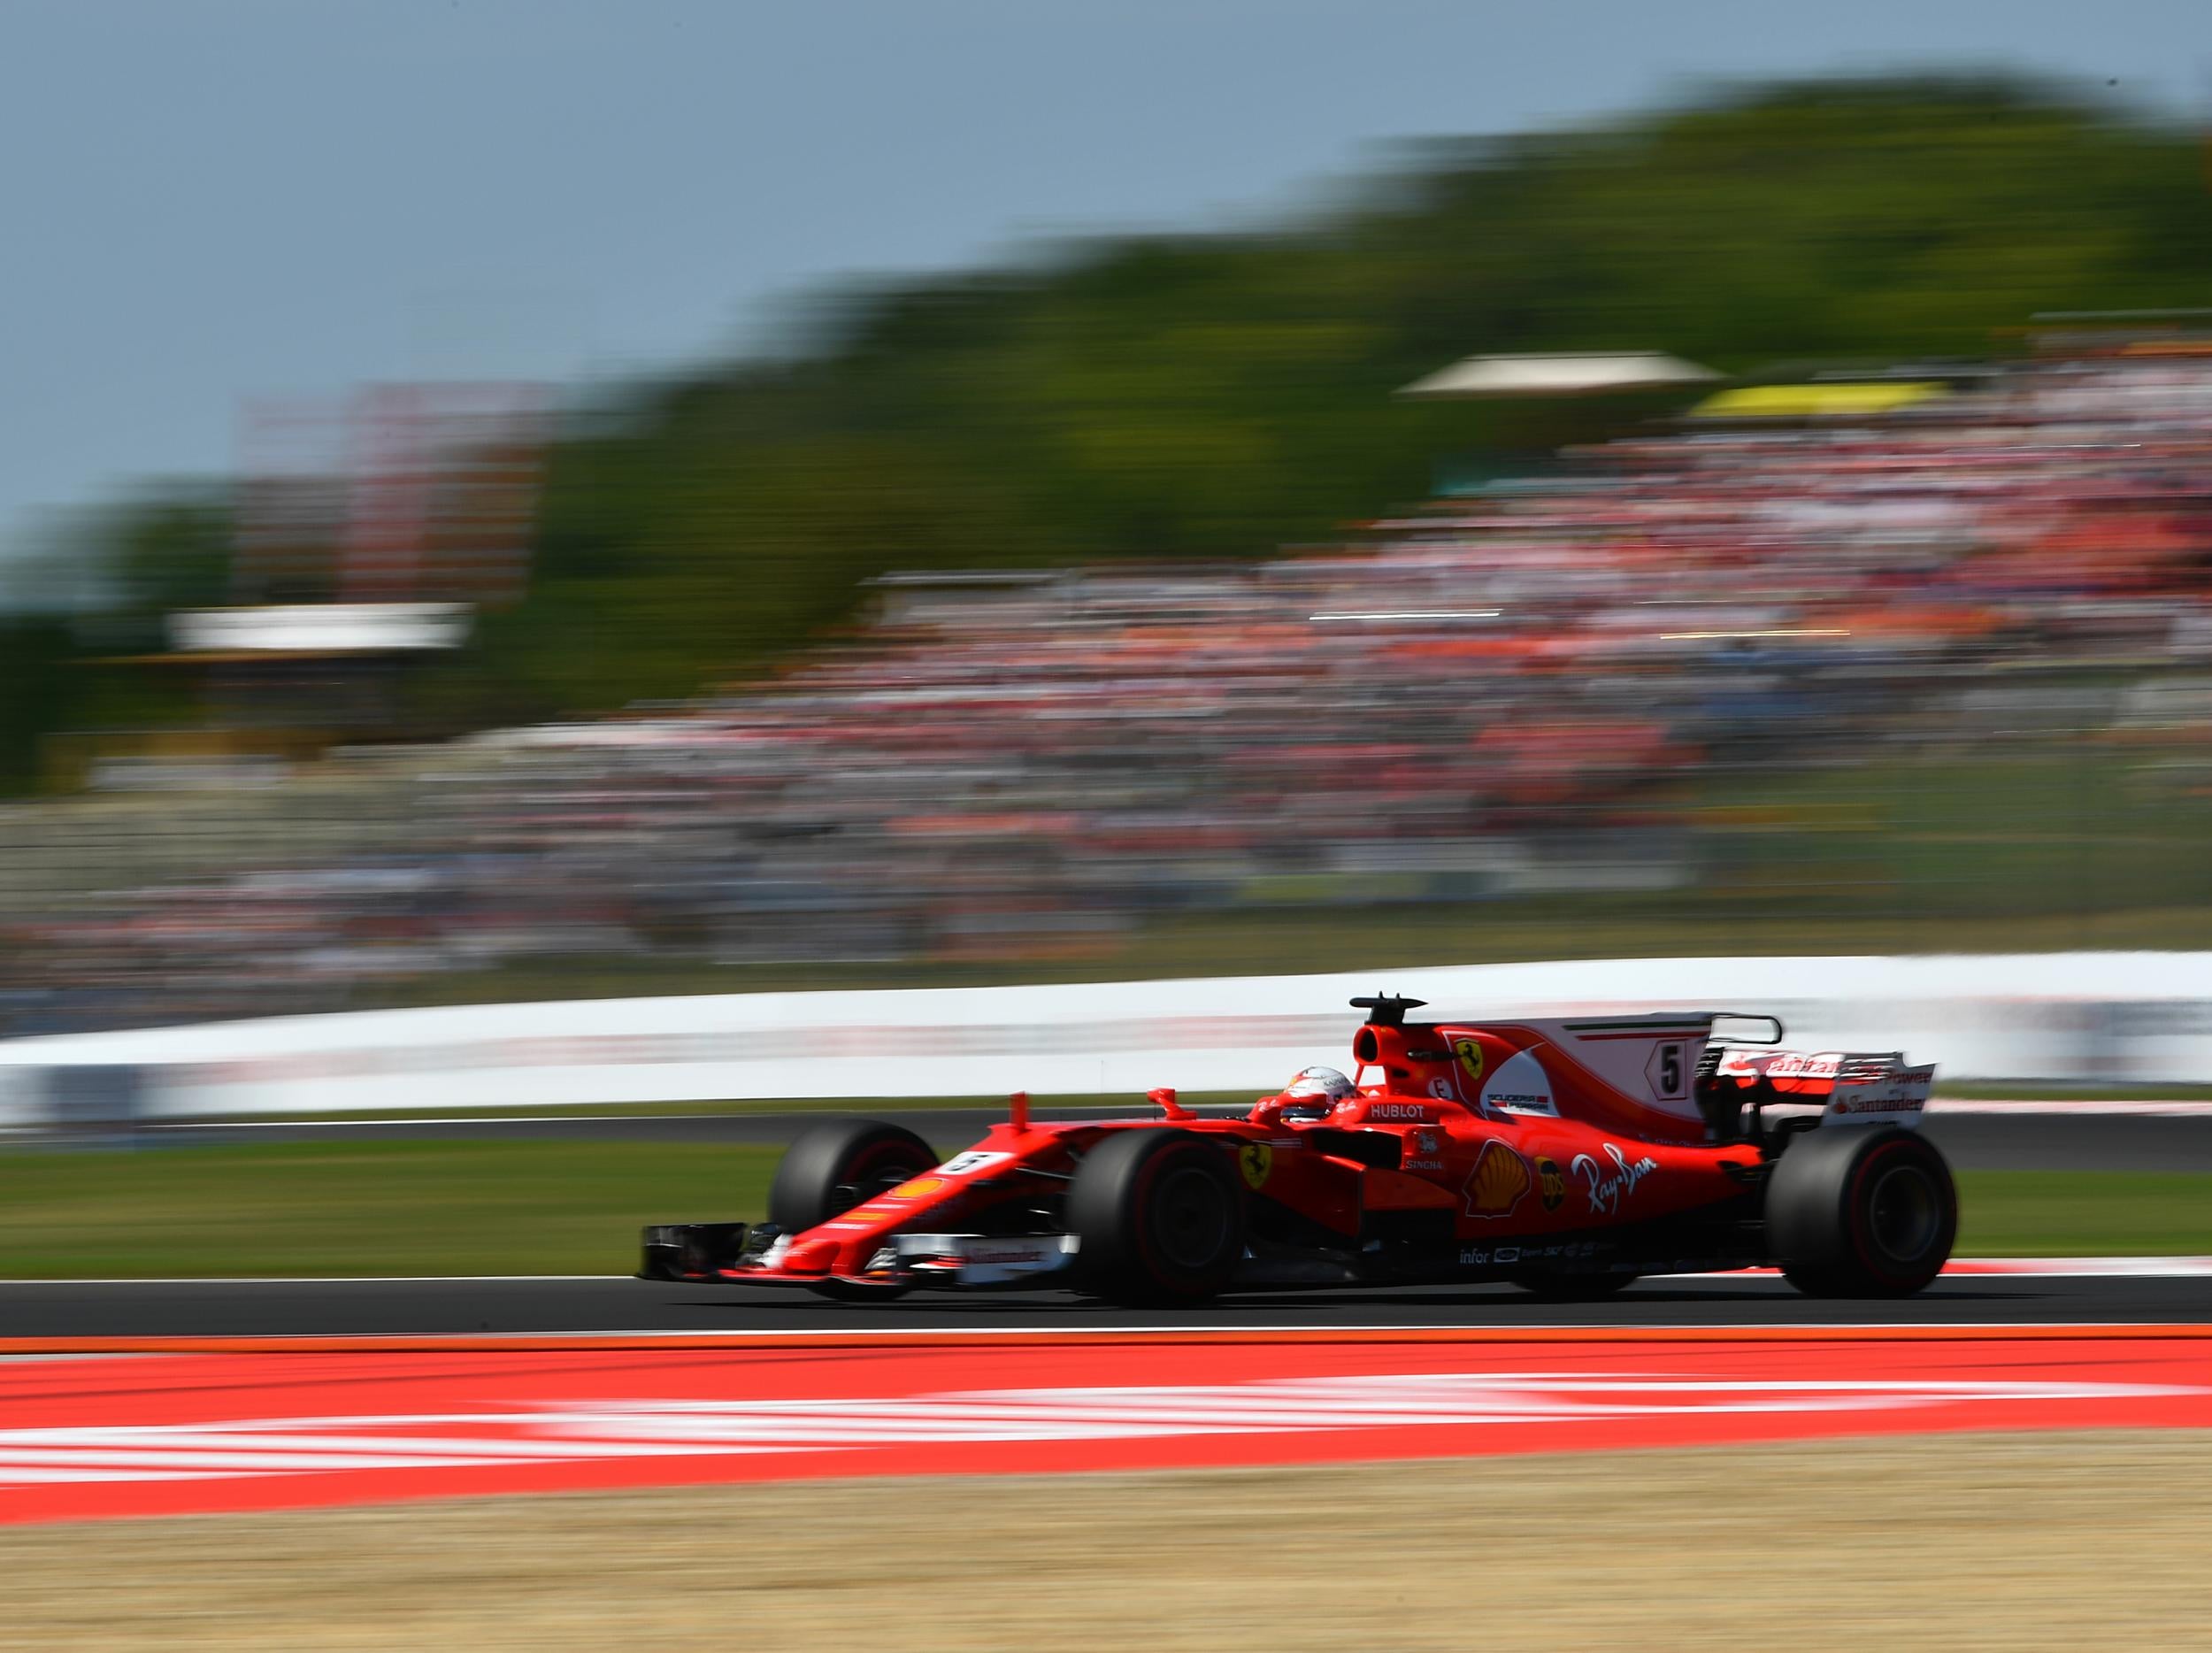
column 575, row 1208
column 361, row 1208
column 2084, row 1213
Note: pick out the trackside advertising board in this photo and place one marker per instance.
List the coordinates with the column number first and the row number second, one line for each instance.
column 2076, row 1017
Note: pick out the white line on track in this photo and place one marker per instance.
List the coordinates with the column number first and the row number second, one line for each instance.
column 1962, row 1268
column 618, row 1428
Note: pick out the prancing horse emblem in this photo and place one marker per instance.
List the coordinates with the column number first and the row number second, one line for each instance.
column 1469, row 1054
column 1255, row 1160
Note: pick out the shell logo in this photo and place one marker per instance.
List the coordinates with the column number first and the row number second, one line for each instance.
column 1498, row 1182
column 918, row 1188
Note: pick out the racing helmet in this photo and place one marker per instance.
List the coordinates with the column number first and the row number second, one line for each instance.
column 1317, row 1087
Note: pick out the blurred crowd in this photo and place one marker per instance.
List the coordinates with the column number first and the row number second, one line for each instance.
column 1504, row 695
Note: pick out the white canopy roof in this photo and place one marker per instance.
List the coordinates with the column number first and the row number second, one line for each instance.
column 320, row 628
column 1559, row 374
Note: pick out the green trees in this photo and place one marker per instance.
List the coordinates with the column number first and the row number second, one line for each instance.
column 1207, row 398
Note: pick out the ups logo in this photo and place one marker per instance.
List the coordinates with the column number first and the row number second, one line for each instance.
column 1551, row 1188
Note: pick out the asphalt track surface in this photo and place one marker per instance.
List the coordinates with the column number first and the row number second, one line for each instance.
column 2087, row 1141
column 615, row 1305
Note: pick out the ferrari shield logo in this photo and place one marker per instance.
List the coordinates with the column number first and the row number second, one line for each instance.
column 1469, row 1054
column 1255, row 1160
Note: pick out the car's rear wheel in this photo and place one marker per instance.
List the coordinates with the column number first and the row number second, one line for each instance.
column 1861, row 1212
column 837, row 1165
column 1158, row 1217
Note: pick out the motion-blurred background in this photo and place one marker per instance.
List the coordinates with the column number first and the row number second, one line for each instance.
column 512, row 502
column 1115, row 604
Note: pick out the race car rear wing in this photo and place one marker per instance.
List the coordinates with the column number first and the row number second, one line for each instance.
column 1852, row 1087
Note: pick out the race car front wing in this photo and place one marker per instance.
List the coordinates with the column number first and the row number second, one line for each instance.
column 723, row 1251
column 690, row 1250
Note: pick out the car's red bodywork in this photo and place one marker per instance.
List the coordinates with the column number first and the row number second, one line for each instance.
column 1586, row 1147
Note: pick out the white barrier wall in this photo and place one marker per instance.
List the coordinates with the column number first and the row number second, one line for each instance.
column 2100, row 1017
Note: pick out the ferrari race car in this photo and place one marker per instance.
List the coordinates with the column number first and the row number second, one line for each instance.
column 1567, row 1156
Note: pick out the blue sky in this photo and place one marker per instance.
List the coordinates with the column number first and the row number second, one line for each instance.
column 203, row 200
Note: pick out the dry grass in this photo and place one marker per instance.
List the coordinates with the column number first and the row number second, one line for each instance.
column 1992, row 1541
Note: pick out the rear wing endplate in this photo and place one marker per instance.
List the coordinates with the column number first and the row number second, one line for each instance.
column 1853, row 1088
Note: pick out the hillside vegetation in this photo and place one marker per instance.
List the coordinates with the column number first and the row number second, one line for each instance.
column 1220, row 397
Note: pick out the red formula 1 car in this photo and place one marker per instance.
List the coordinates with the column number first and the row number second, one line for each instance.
column 1568, row 1157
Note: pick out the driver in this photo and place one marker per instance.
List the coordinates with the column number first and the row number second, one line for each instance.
column 1314, row 1092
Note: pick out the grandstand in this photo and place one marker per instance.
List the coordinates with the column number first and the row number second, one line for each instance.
column 1813, row 656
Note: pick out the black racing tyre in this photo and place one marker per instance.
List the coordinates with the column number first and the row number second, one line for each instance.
column 1858, row 1211
column 1574, row 1287
column 1158, row 1217
column 836, row 1164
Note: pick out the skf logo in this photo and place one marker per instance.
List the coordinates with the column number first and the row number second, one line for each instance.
column 1469, row 1054
column 1500, row 1178
column 1255, row 1160
column 1551, row 1188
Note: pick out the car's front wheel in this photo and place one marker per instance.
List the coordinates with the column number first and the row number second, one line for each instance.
column 837, row 1165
